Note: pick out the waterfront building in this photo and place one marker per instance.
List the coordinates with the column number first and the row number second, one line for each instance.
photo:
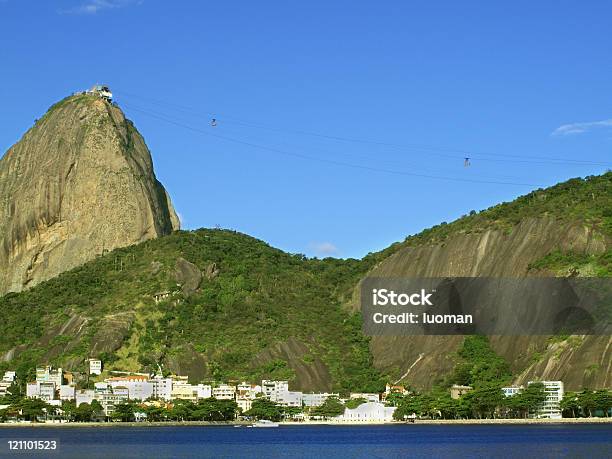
column 272, row 389
column 162, row 387
column 278, row 391
column 290, row 398
column 368, row 412
column 183, row 391
column 550, row 408
column 313, row 399
column 109, row 397
column 139, row 387
column 245, row 394
column 224, row 392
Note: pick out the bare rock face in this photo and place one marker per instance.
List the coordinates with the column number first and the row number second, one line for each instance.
column 423, row 360
column 79, row 183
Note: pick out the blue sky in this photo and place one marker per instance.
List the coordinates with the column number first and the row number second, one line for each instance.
column 335, row 118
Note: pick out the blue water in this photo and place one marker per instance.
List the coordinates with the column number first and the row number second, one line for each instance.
column 526, row 442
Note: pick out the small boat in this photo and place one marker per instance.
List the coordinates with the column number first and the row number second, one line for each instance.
column 264, row 423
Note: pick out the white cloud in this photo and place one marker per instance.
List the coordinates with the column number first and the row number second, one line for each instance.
column 580, row 128
column 95, row 6
column 324, row 248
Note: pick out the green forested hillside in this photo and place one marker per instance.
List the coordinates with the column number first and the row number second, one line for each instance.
column 587, row 200
column 260, row 297
column 257, row 312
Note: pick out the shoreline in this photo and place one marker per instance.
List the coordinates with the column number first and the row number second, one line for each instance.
column 430, row 422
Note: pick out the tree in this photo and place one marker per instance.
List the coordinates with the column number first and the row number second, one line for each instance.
column 569, row 404
column 532, row 397
column 124, row 412
column 332, row 407
column 84, row 412
column 355, row 402
column 156, row 413
column 32, row 408
column 603, row 401
column 586, row 399
column 484, row 400
column 262, row 408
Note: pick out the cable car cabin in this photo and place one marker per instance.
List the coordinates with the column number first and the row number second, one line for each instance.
column 103, row 92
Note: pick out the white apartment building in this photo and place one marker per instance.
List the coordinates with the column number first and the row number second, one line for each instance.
column 273, row 389
column 204, row 391
column 224, row 392
column 109, row 397
column 67, row 392
column 49, row 374
column 368, row 397
column 139, row 387
column 9, row 376
column 84, row 396
column 245, row 394
column 316, row 399
column 162, row 387
column 42, row 390
column 95, row 366
column 278, row 391
column 183, row 391
column 550, row 408
column 367, row 412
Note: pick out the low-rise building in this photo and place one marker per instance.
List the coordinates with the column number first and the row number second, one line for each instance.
column 313, row 399
column 245, row 394
column 373, row 412
column 84, row 396
column 184, row 391
column 278, row 391
column 67, row 392
column 139, row 387
column 9, row 376
column 290, row 398
column 224, row 392
column 42, row 390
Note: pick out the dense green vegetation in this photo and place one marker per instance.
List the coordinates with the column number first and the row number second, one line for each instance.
column 267, row 314
column 260, row 297
column 587, row 200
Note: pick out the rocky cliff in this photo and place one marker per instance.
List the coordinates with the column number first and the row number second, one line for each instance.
column 79, row 183
column 580, row 361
